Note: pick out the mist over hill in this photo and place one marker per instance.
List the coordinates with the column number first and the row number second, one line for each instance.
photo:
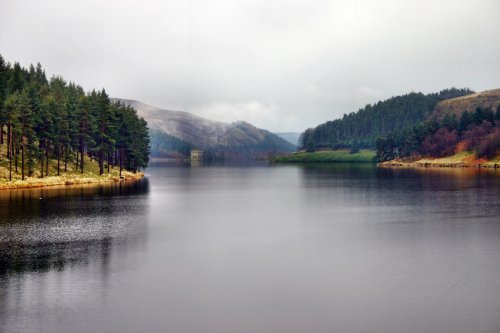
column 174, row 133
column 292, row 137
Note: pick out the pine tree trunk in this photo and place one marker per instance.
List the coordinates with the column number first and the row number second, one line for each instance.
column 101, row 163
column 22, row 162
column 41, row 158
column 9, row 149
column 41, row 164
column 9, row 141
column 46, row 159
column 58, row 160
column 77, row 159
column 82, row 156
column 65, row 159
column 30, row 164
column 121, row 162
column 14, row 152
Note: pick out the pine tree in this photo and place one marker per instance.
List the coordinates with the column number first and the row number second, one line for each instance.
column 40, row 75
column 465, row 120
column 14, row 133
column 102, row 113
column 16, row 81
column 46, row 130
column 3, row 93
column 26, row 133
column 58, row 89
column 11, row 116
column 55, row 120
column 124, row 135
column 450, row 121
column 84, row 129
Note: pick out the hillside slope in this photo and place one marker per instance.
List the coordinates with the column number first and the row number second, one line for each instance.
column 362, row 128
column 236, row 139
column 457, row 106
column 468, row 124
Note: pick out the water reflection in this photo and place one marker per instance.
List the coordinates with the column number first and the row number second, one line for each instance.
column 21, row 258
column 49, row 228
column 323, row 248
column 21, row 204
column 412, row 194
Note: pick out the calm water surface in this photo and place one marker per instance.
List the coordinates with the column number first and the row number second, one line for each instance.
column 336, row 248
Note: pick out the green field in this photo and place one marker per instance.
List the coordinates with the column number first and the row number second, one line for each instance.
column 333, row 156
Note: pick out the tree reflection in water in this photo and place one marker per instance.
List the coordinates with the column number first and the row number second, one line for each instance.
column 51, row 228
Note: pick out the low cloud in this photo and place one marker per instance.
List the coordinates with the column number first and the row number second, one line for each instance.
column 281, row 65
column 254, row 112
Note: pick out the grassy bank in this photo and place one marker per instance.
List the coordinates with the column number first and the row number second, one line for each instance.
column 460, row 160
column 71, row 176
column 331, row 156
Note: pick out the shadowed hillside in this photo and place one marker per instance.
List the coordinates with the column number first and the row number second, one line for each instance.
column 176, row 132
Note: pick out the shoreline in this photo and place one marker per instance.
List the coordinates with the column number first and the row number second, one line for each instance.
column 462, row 160
column 69, row 180
column 328, row 156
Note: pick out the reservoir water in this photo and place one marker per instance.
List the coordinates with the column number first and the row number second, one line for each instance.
column 320, row 248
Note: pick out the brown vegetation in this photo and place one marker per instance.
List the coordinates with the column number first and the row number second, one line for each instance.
column 460, row 160
column 458, row 105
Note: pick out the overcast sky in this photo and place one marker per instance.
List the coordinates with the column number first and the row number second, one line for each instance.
column 282, row 65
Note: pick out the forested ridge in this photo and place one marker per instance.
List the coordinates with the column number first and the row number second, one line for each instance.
column 477, row 132
column 44, row 120
column 362, row 128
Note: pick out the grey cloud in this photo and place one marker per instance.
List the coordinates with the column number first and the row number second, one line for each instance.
column 283, row 65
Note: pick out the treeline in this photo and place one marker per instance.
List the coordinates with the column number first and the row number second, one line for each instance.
column 166, row 145
column 477, row 131
column 42, row 120
column 362, row 128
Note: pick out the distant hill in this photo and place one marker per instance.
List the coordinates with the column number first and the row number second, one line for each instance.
column 362, row 128
column 176, row 132
column 292, row 137
column 457, row 106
